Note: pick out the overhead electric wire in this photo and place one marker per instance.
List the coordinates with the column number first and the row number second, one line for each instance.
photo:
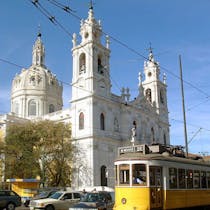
column 11, row 63
column 53, row 20
column 195, row 106
column 136, row 52
column 61, row 81
column 193, row 125
column 49, row 16
column 62, row 6
column 68, row 84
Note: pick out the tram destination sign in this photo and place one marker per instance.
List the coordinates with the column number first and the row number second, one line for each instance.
column 132, row 149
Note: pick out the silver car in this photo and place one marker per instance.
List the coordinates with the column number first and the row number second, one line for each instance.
column 95, row 201
column 60, row 200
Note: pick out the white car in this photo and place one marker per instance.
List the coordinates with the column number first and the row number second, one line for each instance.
column 60, row 200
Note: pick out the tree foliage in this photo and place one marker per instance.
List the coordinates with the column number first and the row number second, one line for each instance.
column 39, row 149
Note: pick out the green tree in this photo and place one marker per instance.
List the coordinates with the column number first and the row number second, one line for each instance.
column 20, row 161
column 55, row 153
column 40, row 148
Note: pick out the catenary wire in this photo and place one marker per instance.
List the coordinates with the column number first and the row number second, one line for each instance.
column 52, row 18
column 136, row 52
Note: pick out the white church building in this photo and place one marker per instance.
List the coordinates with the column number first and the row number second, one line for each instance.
column 101, row 120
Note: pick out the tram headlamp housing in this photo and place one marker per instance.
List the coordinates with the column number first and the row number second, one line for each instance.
column 123, row 200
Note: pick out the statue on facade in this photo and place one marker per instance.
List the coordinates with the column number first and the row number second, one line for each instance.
column 133, row 135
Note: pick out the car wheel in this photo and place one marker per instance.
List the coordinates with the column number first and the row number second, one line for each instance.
column 10, row 206
column 49, row 207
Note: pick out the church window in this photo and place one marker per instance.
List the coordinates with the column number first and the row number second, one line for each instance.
column 102, row 121
column 104, row 175
column 161, row 97
column 81, row 121
column 164, row 139
column 51, row 108
column 153, row 135
column 32, row 108
column 82, row 63
column 116, row 125
column 100, row 67
column 42, row 59
column 149, row 95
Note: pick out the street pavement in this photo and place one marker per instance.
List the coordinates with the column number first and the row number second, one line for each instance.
column 22, row 208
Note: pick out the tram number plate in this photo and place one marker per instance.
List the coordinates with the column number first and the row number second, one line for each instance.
column 137, row 148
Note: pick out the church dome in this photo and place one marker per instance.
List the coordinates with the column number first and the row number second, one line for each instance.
column 36, row 90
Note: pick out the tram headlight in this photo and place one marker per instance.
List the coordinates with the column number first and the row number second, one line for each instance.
column 123, row 200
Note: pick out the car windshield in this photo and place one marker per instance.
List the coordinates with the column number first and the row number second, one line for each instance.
column 91, row 197
column 42, row 194
column 56, row 195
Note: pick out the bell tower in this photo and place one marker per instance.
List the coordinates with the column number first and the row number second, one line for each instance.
column 90, row 61
column 91, row 92
column 154, row 88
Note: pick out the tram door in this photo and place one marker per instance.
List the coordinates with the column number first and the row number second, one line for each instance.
column 156, row 187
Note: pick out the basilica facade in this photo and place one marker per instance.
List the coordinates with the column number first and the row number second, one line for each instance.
column 101, row 120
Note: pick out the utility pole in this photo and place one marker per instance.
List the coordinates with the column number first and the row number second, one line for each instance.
column 183, row 107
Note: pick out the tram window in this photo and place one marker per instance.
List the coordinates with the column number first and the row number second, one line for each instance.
column 139, row 174
column 158, row 176
column 155, row 176
column 173, row 178
column 182, row 180
column 189, row 179
column 124, row 174
column 208, row 179
column 196, row 179
column 203, row 179
column 152, row 176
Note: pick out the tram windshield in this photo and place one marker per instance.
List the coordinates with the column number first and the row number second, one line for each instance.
column 124, row 174
column 139, row 174
column 132, row 174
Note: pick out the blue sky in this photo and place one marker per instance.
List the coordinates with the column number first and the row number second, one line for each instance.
column 172, row 27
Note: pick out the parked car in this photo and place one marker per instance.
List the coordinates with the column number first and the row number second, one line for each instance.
column 61, row 200
column 95, row 200
column 9, row 199
column 41, row 195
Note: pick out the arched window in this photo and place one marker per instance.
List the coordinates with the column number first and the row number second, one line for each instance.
column 102, row 121
column 116, row 125
column 100, row 67
column 164, row 139
column 104, row 175
column 51, row 108
column 149, row 95
column 81, row 121
column 32, row 108
column 161, row 96
column 82, row 63
column 153, row 135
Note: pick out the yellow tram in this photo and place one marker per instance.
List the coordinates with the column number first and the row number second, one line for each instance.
column 156, row 177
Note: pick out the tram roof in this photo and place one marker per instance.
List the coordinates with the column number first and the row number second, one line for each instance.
column 142, row 152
